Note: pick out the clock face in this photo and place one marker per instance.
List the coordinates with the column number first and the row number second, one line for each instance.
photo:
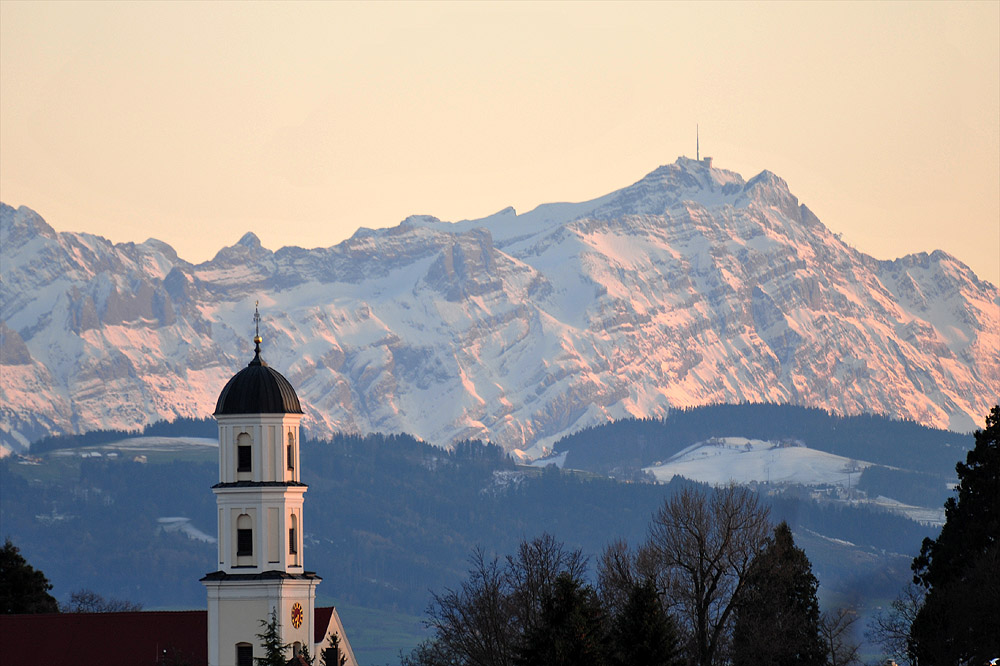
column 297, row 615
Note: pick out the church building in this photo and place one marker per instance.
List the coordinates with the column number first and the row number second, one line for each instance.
column 259, row 502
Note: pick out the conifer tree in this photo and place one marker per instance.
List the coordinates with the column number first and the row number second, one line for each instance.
column 332, row 656
column 23, row 589
column 958, row 621
column 270, row 641
column 777, row 617
column 570, row 630
column 643, row 634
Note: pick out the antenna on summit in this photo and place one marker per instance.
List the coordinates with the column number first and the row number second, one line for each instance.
column 697, row 144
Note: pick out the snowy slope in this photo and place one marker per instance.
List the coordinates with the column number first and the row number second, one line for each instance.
column 724, row 460
column 691, row 286
column 739, row 460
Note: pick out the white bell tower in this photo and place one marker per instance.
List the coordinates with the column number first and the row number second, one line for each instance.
column 259, row 505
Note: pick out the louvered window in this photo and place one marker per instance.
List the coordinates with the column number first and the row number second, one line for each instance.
column 244, row 542
column 244, row 654
column 243, row 459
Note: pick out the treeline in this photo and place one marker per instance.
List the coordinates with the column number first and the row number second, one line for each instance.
column 634, row 443
column 916, row 488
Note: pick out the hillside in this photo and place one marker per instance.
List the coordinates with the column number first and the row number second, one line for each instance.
column 391, row 518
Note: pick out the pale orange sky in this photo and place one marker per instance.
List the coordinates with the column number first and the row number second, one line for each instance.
column 196, row 122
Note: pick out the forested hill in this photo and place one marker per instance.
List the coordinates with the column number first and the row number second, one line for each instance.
column 634, row 443
column 388, row 519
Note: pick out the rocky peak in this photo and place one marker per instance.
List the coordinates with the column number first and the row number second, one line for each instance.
column 20, row 225
column 250, row 241
column 247, row 248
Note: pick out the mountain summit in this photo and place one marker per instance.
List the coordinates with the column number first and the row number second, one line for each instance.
column 691, row 286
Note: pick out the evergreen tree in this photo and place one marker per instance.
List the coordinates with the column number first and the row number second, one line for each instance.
column 22, row 588
column 305, row 656
column 270, row 641
column 571, row 629
column 777, row 617
column 332, row 655
column 958, row 621
column 643, row 634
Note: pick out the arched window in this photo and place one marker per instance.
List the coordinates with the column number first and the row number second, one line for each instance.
column 293, row 535
column 296, row 648
column 244, row 453
column 244, row 536
column 244, row 654
column 291, row 451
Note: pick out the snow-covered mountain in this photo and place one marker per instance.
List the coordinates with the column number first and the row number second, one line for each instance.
column 691, row 286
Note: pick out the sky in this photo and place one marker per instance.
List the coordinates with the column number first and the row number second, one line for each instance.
column 195, row 122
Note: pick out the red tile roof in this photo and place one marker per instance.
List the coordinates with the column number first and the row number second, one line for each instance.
column 114, row 639
column 104, row 639
column 321, row 619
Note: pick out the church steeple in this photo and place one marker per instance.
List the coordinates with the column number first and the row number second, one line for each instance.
column 259, row 500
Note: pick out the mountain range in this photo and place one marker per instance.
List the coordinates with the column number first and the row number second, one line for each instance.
column 692, row 286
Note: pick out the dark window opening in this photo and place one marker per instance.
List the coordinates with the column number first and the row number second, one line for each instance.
column 291, row 540
column 244, row 542
column 244, row 655
column 243, row 459
column 291, row 457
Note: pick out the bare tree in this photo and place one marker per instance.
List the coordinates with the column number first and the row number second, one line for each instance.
column 471, row 623
column 616, row 575
column 483, row 622
column 531, row 574
column 88, row 601
column 837, row 630
column 891, row 629
column 702, row 545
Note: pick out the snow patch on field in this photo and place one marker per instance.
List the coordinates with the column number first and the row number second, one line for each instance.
column 724, row 460
column 184, row 526
column 920, row 514
column 558, row 460
column 140, row 444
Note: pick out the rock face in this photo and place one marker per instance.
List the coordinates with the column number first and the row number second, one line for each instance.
column 691, row 286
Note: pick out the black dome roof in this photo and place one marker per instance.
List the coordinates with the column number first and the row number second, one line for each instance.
column 258, row 389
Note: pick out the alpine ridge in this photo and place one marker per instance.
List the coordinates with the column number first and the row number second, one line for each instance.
column 691, row 286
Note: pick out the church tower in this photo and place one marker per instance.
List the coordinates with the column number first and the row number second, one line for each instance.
column 259, row 500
